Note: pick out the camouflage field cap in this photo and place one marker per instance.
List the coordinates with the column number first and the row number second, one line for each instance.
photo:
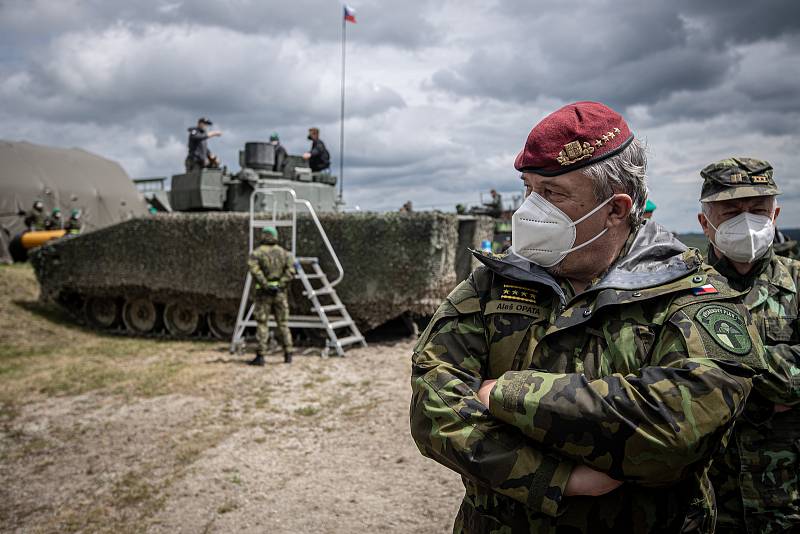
column 737, row 178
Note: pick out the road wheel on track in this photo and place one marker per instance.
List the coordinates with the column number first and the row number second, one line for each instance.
column 101, row 312
column 139, row 315
column 222, row 322
column 181, row 319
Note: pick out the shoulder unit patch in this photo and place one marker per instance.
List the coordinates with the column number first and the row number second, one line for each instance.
column 726, row 327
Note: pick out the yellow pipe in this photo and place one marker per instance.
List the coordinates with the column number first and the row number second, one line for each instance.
column 38, row 238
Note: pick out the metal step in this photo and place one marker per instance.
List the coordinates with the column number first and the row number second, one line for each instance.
column 350, row 340
column 331, row 307
column 320, row 291
column 264, row 224
column 341, row 324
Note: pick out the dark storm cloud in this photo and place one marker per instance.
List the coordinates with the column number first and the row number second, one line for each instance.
column 628, row 53
column 440, row 94
column 384, row 22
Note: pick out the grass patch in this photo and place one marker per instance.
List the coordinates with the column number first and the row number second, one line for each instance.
column 227, row 506
column 307, row 411
column 132, row 490
column 360, row 409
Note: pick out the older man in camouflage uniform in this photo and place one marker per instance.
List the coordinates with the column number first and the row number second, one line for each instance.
column 588, row 396
column 272, row 268
column 756, row 482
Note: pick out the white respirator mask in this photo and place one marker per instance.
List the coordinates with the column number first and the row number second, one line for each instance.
column 744, row 238
column 543, row 234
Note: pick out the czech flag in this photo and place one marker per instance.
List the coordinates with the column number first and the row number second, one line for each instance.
column 349, row 14
column 707, row 289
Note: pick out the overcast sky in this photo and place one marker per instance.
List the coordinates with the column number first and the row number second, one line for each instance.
column 440, row 94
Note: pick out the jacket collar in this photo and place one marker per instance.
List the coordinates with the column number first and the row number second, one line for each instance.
column 654, row 258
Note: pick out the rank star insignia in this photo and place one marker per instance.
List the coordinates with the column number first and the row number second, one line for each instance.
column 518, row 293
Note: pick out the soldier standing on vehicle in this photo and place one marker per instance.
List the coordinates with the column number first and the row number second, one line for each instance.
column 272, row 268
column 755, row 482
column 54, row 221
column 74, row 224
column 318, row 157
column 494, row 207
column 199, row 157
column 583, row 382
column 280, row 152
column 34, row 219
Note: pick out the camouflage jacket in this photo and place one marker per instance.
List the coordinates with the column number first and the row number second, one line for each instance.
column 756, row 481
column 640, row 377
column 271, row 265
column 34, row 220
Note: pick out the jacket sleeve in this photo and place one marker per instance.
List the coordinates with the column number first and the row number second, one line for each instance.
column 651, row 427
column 450, row 425
column 288, row 271
column 782, row 384
column 198, row 135
column 255, row 269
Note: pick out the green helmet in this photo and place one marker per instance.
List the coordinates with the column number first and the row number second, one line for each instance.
column 274, row 137
column 649, row 206
column 270, row 230
column 56, row 210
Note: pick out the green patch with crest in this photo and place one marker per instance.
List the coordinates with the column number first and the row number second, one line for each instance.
column 726, row 327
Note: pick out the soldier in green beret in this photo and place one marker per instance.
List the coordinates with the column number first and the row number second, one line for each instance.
column 649, row 208
column 74, row 224
column 54, row 221
column 756, row 481
column 272, row 268
column 584, row 381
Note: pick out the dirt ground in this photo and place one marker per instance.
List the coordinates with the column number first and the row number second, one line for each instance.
column 102, row 433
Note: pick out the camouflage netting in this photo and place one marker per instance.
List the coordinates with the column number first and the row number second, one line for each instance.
column 393, row 263
column 471, row 231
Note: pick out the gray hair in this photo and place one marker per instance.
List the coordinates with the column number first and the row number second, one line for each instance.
column 623, row 173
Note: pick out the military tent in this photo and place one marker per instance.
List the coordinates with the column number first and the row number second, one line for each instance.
column 66, row 178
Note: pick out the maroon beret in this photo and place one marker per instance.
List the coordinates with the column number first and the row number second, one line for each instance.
column 575, row 136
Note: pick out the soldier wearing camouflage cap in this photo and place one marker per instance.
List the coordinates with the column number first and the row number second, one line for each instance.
column 756, row 481
column 583, row 382
column 272, row 268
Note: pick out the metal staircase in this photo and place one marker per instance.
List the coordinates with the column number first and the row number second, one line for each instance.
column 331, row 313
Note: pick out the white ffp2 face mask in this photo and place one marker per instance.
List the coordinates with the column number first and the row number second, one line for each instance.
column 744, row 238
column 543, row 234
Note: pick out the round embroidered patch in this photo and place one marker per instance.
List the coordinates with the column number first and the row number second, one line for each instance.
column 726, row 327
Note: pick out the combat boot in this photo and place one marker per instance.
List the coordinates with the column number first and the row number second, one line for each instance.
column 258, row 360
column 287, row 356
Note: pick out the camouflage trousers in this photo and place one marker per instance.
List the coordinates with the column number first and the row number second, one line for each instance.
column 756, row 482
column 278, row 306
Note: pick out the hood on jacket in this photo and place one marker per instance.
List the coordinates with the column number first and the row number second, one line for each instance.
column 654, row 257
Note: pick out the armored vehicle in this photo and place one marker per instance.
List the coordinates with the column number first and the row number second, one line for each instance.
column 182, row 274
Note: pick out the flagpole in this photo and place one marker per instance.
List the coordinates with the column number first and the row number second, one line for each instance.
column 341, row 119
